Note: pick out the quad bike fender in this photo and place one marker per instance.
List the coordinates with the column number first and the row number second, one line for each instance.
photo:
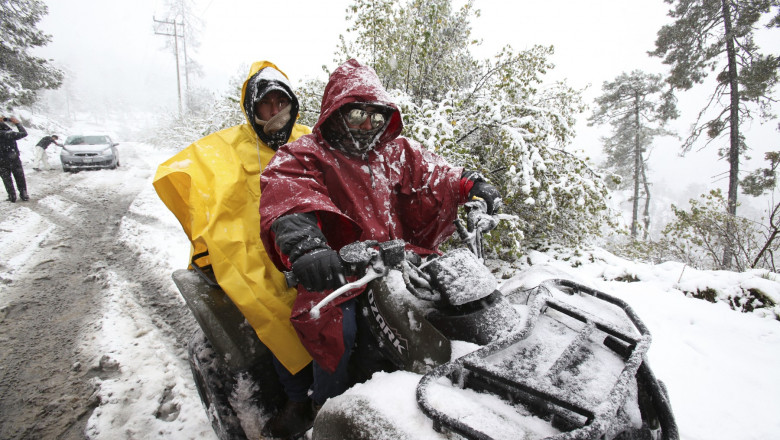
column 221, row 321
column 397, row 321
column 354, row 418
column 224, row 350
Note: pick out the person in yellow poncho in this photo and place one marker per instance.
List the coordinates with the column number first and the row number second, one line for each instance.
column 213, row 189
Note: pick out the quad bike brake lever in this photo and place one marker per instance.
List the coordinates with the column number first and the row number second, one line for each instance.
column 370, row 275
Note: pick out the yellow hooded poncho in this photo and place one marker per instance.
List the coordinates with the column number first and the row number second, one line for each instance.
column 213, row 189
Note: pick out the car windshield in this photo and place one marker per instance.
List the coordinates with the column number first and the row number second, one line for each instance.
column 87, row 140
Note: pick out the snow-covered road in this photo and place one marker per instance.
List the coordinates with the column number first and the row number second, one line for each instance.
column 88, row 318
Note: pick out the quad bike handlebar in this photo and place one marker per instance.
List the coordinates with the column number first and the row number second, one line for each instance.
column 374, row 271
column 375, row 259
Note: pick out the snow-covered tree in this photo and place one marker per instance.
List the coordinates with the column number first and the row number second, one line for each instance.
column 757, row 183
column 495, row 116
column 309, row 96
column 717, row 36
column 421, row 47
column 22, row 75
column 698, row 236
column 637, row 108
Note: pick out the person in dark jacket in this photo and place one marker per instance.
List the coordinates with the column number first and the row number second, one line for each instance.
column 10, row 163
column 41, row 160
column 353, row 179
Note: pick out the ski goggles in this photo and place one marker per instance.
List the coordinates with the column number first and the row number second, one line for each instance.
column 357, row 116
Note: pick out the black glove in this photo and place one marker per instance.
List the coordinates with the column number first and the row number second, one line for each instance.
column 320, row 269
column 489, row 194
column 298, row 234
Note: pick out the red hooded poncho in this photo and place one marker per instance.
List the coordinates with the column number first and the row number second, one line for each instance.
column 395, row 190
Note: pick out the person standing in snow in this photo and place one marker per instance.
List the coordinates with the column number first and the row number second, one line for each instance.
column 41, row 160
column 10, row 162
column 353, row 179
column 213, row 188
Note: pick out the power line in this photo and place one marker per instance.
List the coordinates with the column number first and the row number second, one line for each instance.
column 207, row 8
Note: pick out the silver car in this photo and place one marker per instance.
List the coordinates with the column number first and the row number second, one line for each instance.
column 81, row 152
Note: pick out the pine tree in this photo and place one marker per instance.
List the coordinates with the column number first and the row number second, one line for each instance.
column 21, row 74
column 718, row 36
column 637, row 108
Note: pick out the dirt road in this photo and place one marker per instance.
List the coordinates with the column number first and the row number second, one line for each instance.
column 57, row 250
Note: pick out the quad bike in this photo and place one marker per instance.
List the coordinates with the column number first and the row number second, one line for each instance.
column 557, row 361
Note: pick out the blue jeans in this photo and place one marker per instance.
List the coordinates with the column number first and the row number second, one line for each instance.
column 313, row 381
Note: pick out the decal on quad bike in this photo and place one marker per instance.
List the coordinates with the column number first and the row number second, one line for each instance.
column 399, row 343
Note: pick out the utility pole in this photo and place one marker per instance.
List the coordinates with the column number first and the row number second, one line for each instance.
column 186, row 65
column 170, row 28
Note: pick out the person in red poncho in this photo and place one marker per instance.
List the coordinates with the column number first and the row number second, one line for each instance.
column 352, row 179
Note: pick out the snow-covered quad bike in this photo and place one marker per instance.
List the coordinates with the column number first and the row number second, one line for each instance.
column 556, row 361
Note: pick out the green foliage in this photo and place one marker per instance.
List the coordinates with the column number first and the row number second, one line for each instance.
column 309, row 100
column 762, row 179
column 494, row 116
column 739, row 299
column 750, row 300
column 694, row 45
column 758, row 182
column 699, row 235
column 23, row 75
column 697, row 44
column 518, row 145
column 421, row 47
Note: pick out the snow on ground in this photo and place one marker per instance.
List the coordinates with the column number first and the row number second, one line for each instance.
column 154, row 377
column 720, row 366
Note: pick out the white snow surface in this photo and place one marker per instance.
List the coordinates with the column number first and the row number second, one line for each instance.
column 720, row 366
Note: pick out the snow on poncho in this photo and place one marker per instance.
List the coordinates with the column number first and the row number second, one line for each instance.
column 397, row 190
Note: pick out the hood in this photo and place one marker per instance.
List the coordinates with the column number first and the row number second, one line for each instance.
column 87, row 148
column 353, row 82
column 264, row 77
column 86, row 143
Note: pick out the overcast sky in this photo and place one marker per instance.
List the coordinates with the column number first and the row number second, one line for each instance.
column 115, row 56
column 105, row 42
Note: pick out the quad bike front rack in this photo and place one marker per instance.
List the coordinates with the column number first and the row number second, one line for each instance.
column 548, row 367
